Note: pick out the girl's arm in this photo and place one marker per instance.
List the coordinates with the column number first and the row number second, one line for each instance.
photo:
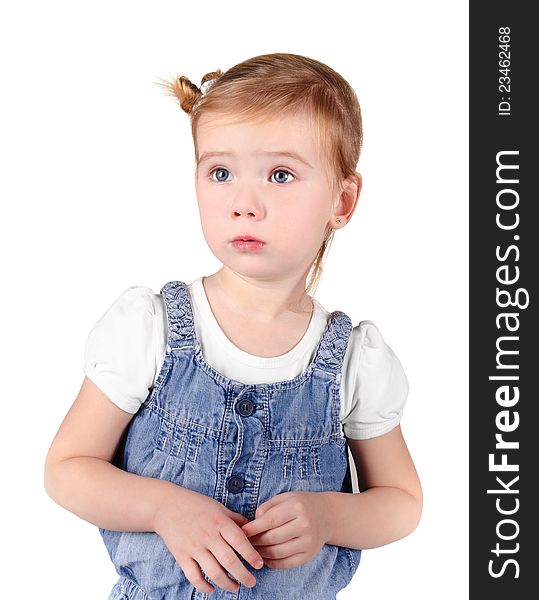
column 390, row 503
column 80, row 477
column 78, row 474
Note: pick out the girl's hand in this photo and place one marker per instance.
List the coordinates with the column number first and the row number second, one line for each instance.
column 290, row 528
column 202, row 533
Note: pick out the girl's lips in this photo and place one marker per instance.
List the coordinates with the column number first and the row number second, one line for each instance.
column 247, row 244
column 246, row 237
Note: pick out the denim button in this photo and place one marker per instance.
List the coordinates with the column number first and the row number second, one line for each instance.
column 235, row 484
column 245, row 408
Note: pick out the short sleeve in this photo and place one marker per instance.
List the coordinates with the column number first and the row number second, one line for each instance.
column 376, row 387
column 120, row 354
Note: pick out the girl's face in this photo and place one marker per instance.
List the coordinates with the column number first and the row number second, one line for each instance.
column 267, row 180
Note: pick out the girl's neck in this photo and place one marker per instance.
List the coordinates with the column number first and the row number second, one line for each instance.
column 264, row 301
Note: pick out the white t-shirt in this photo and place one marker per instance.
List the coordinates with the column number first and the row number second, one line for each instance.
column 126, row 347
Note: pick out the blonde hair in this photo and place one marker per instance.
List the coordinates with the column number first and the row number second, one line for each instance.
column 282, row 84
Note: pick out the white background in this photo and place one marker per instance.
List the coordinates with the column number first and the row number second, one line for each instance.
column 97, row 195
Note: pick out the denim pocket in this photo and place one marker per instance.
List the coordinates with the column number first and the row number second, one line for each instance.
column 180, row 440
column 300, row 468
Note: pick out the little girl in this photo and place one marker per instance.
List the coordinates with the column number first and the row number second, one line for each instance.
column 209, row 440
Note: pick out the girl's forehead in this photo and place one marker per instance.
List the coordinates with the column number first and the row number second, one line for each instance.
column 295, row 131
column 215, row 122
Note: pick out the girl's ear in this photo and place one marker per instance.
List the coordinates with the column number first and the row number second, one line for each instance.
column 350, row 189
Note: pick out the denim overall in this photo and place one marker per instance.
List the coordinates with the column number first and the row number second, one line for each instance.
column 241, row 445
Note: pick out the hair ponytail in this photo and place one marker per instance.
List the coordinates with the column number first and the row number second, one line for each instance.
column 185, row 91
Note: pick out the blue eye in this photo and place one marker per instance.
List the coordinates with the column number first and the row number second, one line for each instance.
column 220, row 174
column 281, row 176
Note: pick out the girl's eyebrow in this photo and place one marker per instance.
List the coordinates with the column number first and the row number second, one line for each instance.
column 286, row 153
column 290, row 154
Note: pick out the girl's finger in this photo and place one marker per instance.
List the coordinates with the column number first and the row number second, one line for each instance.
column 226, row 557
column 237, row 539
column 238, row 518
column 218, row 573
column 275, row 517
column 287, row 563
column 279, row 535
column 191, row 570
column 281, row 551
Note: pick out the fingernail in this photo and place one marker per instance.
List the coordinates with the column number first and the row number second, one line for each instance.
column 259, row 564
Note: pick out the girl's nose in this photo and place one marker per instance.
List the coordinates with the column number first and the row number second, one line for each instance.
column 247, row 203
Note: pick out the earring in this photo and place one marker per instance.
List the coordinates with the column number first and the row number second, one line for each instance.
column 338, row 219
